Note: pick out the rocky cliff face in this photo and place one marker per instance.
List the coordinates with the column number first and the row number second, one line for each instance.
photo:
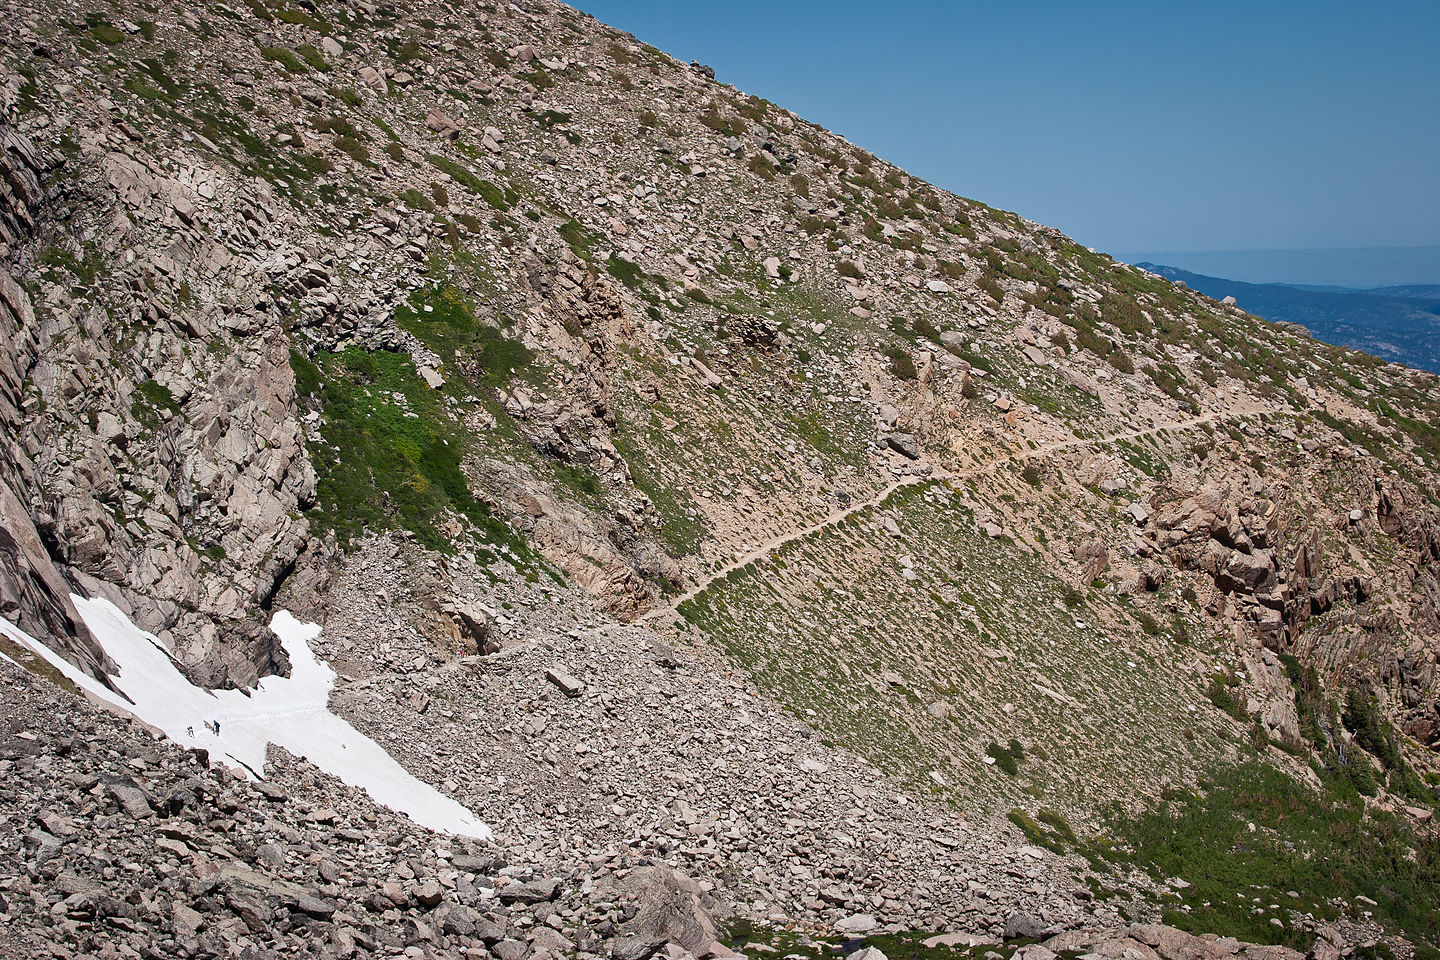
column 32, row 591
column 501, row 302
column 191, row 521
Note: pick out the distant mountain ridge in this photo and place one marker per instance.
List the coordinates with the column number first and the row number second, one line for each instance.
column 1419, row 291
column 1399, row 323
column 1357, row 268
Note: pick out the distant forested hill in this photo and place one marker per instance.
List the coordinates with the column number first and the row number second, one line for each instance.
column 1400, row 323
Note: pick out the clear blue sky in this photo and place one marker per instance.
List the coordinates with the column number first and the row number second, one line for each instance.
column 1130, row 126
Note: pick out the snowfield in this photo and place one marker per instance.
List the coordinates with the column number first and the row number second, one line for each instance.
column 290, row 712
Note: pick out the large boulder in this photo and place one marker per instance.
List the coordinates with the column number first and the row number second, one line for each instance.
column 442, row 123
column 1173, row 944
column 904, row 444
column 671, row 906
column 1022, row 926
column 475, row 626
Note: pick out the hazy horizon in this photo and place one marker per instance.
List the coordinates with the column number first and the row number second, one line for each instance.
column 1324, row 266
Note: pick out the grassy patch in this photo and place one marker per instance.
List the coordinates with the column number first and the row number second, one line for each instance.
column 85, row 270
column 444, row 320
column 901, row 364
column 681, row 529
column 811, row 428
column 1009, row 757
column 151, row 398
column 391, row 453
column 287, row 59
column 500, row 198
column 290, row 168
column 393, row 449
column 977, row 625
column 1252, row 834
column 107, row 34
column 36, row 665
column 1046, row 829
column 312, row 56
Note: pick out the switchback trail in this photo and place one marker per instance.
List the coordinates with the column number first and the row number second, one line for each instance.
column 938, row 473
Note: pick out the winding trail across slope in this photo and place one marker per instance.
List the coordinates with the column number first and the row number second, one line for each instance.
column 839, row 516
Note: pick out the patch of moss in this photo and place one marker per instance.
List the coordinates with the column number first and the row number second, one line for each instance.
column 107, row 34
column 391, row 454
column 307, row 374
column 443, row 319
column 287, row 59
column 312, row 56
column 1009, row 757
column 501, row 199
column 150, row 398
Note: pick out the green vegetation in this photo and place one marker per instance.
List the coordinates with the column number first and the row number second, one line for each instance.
column 582, row 241
column 485, row 355
column 500, row 198
column 154, row 82
column 539, row 78
column 902, row 367
column 681, row 529
column 977, row 624
column 580, row 480
column 384, row 462
column 353, row 148
column 287, row 59
column 85, row 270
column 628, row 273
column 416, row 200
column 1252, row 834
column 729, row 126
column 992, row 289
column 291, row 168
column 1222, row 693
column 107, row 34
column 307, row 375
column 149, row 400
column 1320, row 722
column 301, row 18
column 1148, row 461
column 312, row 56
column 812, row 429
column 1008, row 758
column 37, row 665
column 1046, row 829
column 392, row 447
column 549, row 119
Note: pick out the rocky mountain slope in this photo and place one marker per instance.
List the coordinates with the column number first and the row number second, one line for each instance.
column 901, row 550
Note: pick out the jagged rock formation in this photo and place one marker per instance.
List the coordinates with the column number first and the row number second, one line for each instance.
column 32, row 591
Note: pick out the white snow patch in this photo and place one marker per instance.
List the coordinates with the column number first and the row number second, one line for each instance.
column 290, row 712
